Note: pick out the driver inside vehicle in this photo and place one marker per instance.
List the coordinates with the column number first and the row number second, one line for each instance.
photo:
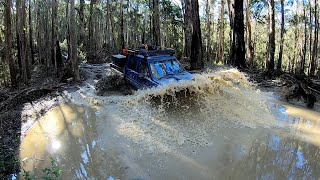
column 144, row 70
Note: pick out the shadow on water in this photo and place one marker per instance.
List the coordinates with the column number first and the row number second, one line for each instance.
column 76, row 136
column 291, row 152
column 70, row 138
column 12, row 126
column 276, row 157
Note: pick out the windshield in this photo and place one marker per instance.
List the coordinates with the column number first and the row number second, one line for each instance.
column 166, row 68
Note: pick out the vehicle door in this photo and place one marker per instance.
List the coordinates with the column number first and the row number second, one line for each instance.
column 144, row 75
column 131, row 73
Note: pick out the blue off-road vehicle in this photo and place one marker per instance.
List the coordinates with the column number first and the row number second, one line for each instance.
column 149, row 68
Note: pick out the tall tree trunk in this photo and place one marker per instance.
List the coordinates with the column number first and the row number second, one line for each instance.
column 310, row 31
column 295, row 51
column 220, row 57
column 8, row 42
column 304, row 51
column 73, row 43
column 238, row 45
column 249, row 34
column 122, row 26
column 127, row 25
column 81, row 17
column 114, row 43
column 150, row 20
column 271, row 45
column 313, row 62
column 67, row 35
column 156, row 23
column 196, row 44
column 92, row 14
column 296, row 33
column 21, row 22
column 27, row 69
column 231, row 21
column 39, row 32
column 54, row 31
column 18, row 28
column 143, row 38
column 47, row 44
column 187, row 27
column 31, row 35
column 281, row 37
column 108, row 36
column 208, row 25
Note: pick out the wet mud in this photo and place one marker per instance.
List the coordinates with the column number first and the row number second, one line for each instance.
column 222, row 128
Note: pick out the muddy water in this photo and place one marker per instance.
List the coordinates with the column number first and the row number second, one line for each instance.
column 221, row 129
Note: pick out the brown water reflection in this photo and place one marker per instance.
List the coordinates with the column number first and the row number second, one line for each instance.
column 86, row 144
column 68, row 134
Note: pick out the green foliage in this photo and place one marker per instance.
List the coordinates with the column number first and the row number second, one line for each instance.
column 49, row 173
column 172, row 23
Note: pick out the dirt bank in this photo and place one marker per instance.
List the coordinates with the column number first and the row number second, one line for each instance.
column 298, row 90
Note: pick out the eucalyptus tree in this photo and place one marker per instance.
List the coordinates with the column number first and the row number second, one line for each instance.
column 313, row 62
column 196, row 60
column 271, row 32
column 156, row 22
column 238, row 45
column 73, row 43
column 8, row 42
column 279, row 64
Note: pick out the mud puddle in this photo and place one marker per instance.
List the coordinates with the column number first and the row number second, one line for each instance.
column 224, row 130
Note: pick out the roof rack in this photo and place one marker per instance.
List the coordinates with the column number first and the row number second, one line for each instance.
column 148, row 53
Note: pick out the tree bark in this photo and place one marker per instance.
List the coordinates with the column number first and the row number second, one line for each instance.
column 67, row 35
column 47, row 44
column 21, row 22
column 122, row 26
column 310, row 31
column 81, row 18
column 249, row 34
column 281, row 37
column 31, row 35
column 304, row 51
column 220, row 57
column 108, row 37
column 313, row 62
column 8, row 42
column 196, row 44
column 238, row 45
column 208, row 25
column 73, row 43
column 18, row 28
column 39, row 32
column 231, row 20
column 114, row 43
column 271, row 32
column 156, row 23
column 54, row 30
column 93, row 43
column 187, row 28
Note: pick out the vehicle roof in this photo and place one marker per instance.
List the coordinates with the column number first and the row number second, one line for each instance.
column 159, row 58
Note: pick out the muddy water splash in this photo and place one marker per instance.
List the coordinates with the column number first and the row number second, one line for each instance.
column 213, row 100
column 222, row 128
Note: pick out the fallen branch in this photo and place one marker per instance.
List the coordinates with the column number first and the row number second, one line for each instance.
column 26, row 94
column 312, row 89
